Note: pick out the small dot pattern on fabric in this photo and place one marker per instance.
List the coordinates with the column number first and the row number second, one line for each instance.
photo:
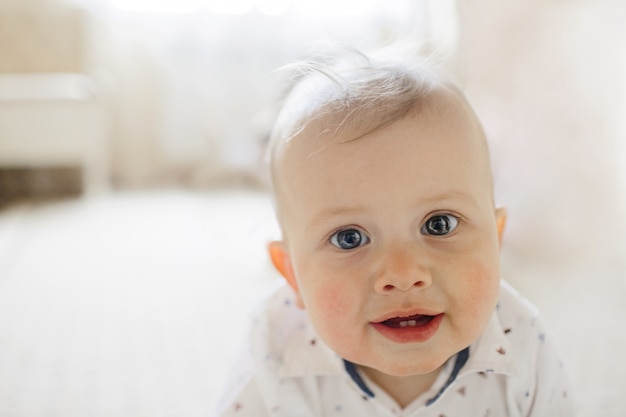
column 513, row 369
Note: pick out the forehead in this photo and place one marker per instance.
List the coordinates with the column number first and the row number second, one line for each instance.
column 443, row 110
column 414, row 140
column 424, row 151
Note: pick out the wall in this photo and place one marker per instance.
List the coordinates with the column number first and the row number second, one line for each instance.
column 548, row 79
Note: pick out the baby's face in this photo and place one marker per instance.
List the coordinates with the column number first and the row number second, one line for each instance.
column 393, row 242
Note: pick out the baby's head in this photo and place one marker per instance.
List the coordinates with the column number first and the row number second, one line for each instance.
column 384, row 194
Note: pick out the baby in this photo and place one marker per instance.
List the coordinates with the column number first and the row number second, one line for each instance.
column 393, row 303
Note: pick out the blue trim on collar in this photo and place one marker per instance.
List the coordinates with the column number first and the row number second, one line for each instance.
column 461, row 360
column 354, row 374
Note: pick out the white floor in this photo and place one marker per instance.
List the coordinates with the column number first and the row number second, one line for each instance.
column 132, row 304
column 120, row 306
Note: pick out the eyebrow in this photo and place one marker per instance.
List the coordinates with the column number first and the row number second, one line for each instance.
column 435, row 199
column 336, row 211
column 451, row 195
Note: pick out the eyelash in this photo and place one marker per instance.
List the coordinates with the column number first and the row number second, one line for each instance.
column 456, row 220
column 364, row 239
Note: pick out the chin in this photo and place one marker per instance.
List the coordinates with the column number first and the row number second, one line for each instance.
column 412, row 369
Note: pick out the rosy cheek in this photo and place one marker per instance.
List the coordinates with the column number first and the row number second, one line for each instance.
column 336, row 319
column 331, row 303
column 481, row 286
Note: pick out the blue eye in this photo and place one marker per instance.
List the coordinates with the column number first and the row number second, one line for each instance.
column 440, row 225
column 349, row 239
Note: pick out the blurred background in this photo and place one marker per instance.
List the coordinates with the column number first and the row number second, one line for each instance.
column 133, row 205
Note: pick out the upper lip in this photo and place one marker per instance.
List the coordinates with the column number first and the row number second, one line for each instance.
column 400, row 314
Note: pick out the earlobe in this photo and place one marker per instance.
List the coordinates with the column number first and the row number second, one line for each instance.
column 282, row 262
column 501, row 217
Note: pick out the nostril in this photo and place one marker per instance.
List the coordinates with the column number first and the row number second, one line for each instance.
column 390, row 287
column 387, row 285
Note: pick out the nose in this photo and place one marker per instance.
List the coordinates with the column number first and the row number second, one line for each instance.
column 402, row 269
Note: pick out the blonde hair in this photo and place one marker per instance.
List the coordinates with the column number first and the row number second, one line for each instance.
column 345, row 88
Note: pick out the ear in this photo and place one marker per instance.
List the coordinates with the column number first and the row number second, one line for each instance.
column 282, row 262
column 501, row 217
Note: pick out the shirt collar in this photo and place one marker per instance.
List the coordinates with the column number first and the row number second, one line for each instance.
column 492, row 352
column 306, row 354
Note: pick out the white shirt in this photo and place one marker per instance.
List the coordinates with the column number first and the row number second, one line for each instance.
column 511, row 370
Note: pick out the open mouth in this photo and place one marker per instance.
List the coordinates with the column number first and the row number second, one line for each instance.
column 417, row 328
column 412, row 321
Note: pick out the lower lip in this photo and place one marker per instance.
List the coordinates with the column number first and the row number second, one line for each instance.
column 416, row 334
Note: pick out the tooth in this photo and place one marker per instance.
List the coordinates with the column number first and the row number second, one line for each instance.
column 403, row 324
column 412, row 323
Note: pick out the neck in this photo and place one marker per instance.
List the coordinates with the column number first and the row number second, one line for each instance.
column 403, row 389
